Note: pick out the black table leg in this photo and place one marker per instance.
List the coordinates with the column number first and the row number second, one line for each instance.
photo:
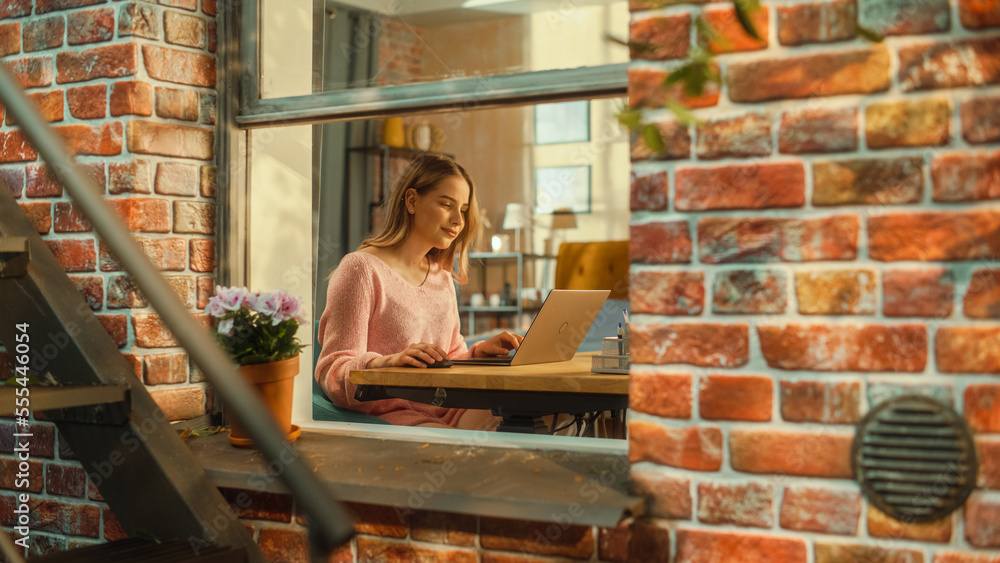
column 523, row 424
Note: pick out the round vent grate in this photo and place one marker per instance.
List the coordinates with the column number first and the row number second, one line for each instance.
column 914, row 458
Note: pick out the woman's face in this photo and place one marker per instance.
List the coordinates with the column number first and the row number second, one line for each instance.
column 439, row 214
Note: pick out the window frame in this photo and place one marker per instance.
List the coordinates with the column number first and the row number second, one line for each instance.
column 241, row 110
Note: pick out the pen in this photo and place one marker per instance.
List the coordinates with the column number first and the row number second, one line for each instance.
column 621, row 334
column 625, row 315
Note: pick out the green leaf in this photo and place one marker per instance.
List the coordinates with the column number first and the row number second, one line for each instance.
column 682, row 113
column 629, row 118
column 869, row 34
column 744, row 11
column 651, row 134
column 707, row 34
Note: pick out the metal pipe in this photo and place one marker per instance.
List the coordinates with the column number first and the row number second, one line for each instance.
column 332, row 521
column 8, row 549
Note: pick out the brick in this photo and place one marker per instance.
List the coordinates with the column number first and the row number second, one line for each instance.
column 69, row 218
column 667, row 293
column 14, row 179
column 859, row 71
column 372, row 550
column 212, row 36
column 74, row 255
column 735, row 397
column 41, row 182
column 989, row 463
column 48, row 104
column 15, row 8
column 964, row 557
column 901, row 17
column 185, row 30
column 662, row 242
column 881, row 391
column 981, row 118
column 110, row 61
column 908, row 123
column 828, row 511
column 650, row 192
column 836, row 292
column 660, row 38
column 837, row 552
column 52, row 516
column 542, row 538
column 698, row 344
column 816, row 22
column 744, row 136
column 41, row 443
column 202, row 255
column 44, row 6
column 92, row 290
column 180, row 404
column 279, row 544
column 43, row 33
column 88, row 102
column 823, row 453
column 183, row 286
column 196, row 217
column 256, row 505
column 143, row 214
column 168, row 368
column 697, row 448
column 724, row 240
column 934, row 236
column 113, row 530
column 131, row 98
column 174, row 178
column 818, row 130
column 868, row 181
column 867, row 348
column 738, row 504
column 968, row 349
column 98, row 140
column 661, row 394
column 140, row 20
column 150, row 332
column 116, row 327
column 635, row 541
column 735, row 38
column 444, row 528
column 14, row 147
column 32, row 72
column 708, row 546
column 209, row 7
column 40, row 215
column 65, row 480
column 208, row 103
column 177, row 104
column 378, row 520
column 676, row 142
column 966, row 176
column 979, row 14
column 668, row 495
column 969, row 62
column 749, row 291
column 134, row 176
column 754, row 186
column 91, row 26
column 123, row 293
column 170, row 140
column 819, row 401
column 33, row 482
column 10, row 38
column 179, row 67
column 166, row 254
column 646, row 89
column 190, row 5
column 206, row 289
column 982, row 300
column 982, row 519
column 882, row 526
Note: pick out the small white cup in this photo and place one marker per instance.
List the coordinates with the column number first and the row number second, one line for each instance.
column 495, row 300
column 477, row 300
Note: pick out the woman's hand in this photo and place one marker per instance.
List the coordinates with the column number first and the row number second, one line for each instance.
column 420, row 355
column 498, row 345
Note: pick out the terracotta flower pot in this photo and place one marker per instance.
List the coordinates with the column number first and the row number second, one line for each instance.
column 273, row 384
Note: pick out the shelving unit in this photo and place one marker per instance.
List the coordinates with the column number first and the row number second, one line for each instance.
column 517, row 309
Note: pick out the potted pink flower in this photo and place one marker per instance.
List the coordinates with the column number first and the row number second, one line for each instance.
column 258, row 331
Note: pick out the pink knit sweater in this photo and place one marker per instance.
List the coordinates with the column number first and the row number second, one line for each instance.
column 372, row 311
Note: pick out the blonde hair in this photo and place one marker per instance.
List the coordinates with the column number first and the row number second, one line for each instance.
column 422, row 175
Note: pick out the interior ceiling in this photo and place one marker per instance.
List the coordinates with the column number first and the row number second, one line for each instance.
column 430, row 13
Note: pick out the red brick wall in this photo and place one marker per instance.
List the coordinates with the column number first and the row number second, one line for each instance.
column 828, row 236
column 131, row 88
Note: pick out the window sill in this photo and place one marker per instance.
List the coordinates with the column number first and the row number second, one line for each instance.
column 482, row 480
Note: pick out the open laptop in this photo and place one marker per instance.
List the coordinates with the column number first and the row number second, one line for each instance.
column 556, row 332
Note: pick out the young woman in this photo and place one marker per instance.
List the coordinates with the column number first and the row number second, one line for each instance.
column 392, row 302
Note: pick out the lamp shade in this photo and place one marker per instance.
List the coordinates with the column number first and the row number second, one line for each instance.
column 515, row 217
column 563, row 220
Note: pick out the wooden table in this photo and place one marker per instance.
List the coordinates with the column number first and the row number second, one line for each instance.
column 519, row 394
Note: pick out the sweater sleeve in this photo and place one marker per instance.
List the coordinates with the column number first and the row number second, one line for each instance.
column 343, row 330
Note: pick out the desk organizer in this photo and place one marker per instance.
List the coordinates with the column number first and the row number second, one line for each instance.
column 614, row 357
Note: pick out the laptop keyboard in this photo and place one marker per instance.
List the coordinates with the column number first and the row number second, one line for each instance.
column 489, row 361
